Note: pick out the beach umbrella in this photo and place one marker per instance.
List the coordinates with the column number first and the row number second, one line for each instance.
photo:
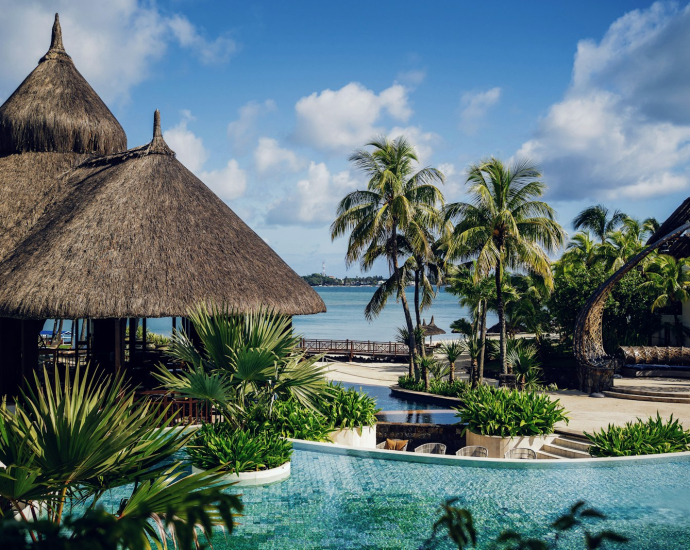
column 138, row 235
column 431, row 329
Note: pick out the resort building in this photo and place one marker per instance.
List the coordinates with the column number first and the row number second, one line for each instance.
column 93, row 231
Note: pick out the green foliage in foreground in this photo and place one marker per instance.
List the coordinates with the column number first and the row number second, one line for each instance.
column 653, row 436
column 99, row 530
column 348, row 408
column 459, row 525
column 507, row 413
column 236, row 450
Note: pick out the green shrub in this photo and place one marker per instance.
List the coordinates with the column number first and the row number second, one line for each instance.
column 409, row 383
column 237, row 450
column 457, row 388
column 506, row 413
column 289, row 419
column 640, row 438
column 349, row 408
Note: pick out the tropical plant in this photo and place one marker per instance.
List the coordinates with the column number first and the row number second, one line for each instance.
column 505, row 226
column 596, row 219
column 653, row 436
column 403, row 337
column 241, row 359
column 458, row 524
column 670, row 279
column 410, row 383
column 508, row 413
column 457, row 388
column 349, row 408
column 426, row 365
column 524, row 360
column 393, row 204
column 473, row 348
column 70, row 440
column 462, row 326
column 290, row 419
column 228, row 449
column 451, row 352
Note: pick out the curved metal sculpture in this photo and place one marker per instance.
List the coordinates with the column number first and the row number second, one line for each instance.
column 596, row 367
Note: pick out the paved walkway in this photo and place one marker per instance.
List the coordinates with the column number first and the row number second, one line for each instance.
column 586, row 413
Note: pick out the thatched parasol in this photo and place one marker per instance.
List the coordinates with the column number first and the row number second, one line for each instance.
column 52, row 121
column 431, row 329
column 141, row 236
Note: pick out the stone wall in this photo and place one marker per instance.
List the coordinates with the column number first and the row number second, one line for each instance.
column 418, row 434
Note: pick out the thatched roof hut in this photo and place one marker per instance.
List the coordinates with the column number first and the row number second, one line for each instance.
column 52, row 121
column 141, row 236
column 431, row 329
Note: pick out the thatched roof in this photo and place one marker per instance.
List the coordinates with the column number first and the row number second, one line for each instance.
column 51, row 123
column 140, row 236
column 431, row 329
column 680, row 248
column 55, row 109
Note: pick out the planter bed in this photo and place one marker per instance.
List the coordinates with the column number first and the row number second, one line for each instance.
column 252, row 479
column 362, row 436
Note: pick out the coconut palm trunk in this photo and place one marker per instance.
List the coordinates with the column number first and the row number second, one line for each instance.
column 501, row 317
column 482, row 341
column 411, row 343
column 417, row 312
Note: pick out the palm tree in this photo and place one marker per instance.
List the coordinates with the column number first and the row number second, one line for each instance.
column 671, row 278
column 451, row 351
column 596, row 219
column 581, row 250
column 396, row 197
column 475, row 295
column 505, row 226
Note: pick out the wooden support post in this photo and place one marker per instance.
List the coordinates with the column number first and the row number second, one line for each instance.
column 104, row 343
column 10, row 357
column 143, row 334
column 133, row 322
column 30, row 330
column 119, row 344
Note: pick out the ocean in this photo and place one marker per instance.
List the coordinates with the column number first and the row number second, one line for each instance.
column 344, row 318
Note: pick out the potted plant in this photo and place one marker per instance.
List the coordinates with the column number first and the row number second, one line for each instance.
column 352, row 415
column 501, row 419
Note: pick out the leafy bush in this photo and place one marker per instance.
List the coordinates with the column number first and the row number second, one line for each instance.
column 506, row 413
column 349, row 408
column 289, row 419
column 409, row 383
column 236, row 450
column 457, row 388
column 640, row 438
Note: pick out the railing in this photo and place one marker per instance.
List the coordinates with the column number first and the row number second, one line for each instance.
column 354, row 347
column 183, row 411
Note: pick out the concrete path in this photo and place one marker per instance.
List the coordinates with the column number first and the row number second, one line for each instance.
column 586, row 413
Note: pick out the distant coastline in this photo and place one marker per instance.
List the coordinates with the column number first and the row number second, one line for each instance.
column 316, row 279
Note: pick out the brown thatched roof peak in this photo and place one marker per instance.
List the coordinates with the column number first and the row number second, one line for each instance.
column 57, row 50
column 56, row 110
column 136, row 234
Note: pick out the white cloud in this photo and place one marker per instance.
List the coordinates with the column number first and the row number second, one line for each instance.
column 314, row 199
column 412, row 78
column 270, row 157
column 209, row 52
column 114, row 44
column 474, row 106
column 228, row 183
column 188, row 147
column 242, row 130
column 623, row 127
column 349, row 117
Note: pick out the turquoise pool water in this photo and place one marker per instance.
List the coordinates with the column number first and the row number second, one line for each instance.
column 335, row 502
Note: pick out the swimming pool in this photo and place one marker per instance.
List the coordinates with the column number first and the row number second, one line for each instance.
column 397, row 409
column 335, row 502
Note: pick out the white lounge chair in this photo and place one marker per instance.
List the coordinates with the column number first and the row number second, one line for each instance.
column 522, row 454
column 473, row 450
column 431, row 448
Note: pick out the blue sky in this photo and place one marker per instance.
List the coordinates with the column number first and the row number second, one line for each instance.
column 264, row 101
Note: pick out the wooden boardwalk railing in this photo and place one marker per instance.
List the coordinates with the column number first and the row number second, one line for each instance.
column 351, row 348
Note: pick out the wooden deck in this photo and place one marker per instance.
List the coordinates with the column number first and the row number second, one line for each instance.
column 352, row 348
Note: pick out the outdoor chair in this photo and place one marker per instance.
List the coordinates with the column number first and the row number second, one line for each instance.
column 522, row 454
column 432, row 449
column 393, row 445
column 473, row 450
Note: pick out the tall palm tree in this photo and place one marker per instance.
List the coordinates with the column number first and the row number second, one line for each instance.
column 596, row 219
column 395, row 198
column 581, row 250
column 671, row 278
column 505, row 226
